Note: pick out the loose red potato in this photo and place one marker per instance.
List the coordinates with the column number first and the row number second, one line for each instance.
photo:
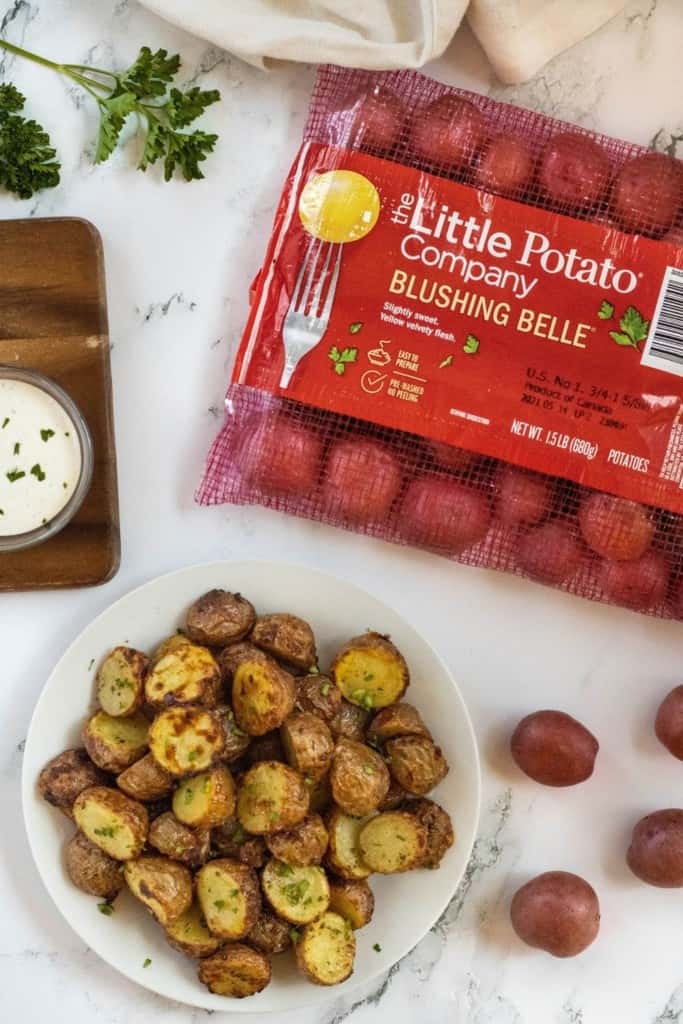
column 377, row 119
column 361, row 480
column 574, row 171
column 640, row 585
column 277, row 456
column 616, row 528
column 448, row 132
column 656, row 851
column 550, row 553
column 669, row 722
column 523, row 497
column 505, row 167
column 453, row 458
column 648, row 193
column 558, row 912
column 443, row 514
column 554, row 749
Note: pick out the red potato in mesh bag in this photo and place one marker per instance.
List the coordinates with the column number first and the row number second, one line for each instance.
column 278, row 456
column 451, row 457
column 361, row 480
column 506, row 166
column 445, row 515
column 648, row 193
column 522, row 496
column 616, row 528
column 377, row 119
column 550, row 553
column 639, row 584
column 574, row 171
column 448, row 132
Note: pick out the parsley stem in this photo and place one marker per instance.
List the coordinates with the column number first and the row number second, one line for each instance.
column 70, row 70
column 20, row 52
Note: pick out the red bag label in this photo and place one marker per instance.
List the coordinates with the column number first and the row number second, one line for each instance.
column 422, row 304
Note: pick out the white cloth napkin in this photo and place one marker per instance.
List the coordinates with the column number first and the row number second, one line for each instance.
column 519, row 36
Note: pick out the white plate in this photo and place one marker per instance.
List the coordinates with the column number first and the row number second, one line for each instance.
column 406, row 906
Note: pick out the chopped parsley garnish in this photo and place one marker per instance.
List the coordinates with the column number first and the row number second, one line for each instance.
column 236, row 731
column 147, row 962
column 325, row 689
column 369, row 769
column 219, row 904
column 189, row 793
column 296, row 891
column 377, row 948
column 17, row 448
column 65, row 485
column 192, row 756
column 15, row 474
column 38, row 472
column 92, row 662
column 5, row 422
column 107, row 830
column 239, row 835
column 368, row 677
column 46, row 433
column 294, row 935
column 2, row 511
column 233, row 893
column 106, row 909
column 284, row 870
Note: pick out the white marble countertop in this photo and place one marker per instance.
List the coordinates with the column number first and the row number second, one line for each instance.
column 179, row 260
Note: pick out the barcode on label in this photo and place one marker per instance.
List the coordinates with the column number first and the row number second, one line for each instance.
column 664, row 346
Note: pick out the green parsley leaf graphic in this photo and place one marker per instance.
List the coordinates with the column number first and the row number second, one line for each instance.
column 606, row 311
column 471, row 345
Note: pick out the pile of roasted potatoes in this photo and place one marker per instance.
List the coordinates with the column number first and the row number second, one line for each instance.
column 245, row 797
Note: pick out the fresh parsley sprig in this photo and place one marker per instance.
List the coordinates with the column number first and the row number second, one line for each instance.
column 27, row 158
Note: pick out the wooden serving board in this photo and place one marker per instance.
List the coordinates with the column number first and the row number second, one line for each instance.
column 53, row 318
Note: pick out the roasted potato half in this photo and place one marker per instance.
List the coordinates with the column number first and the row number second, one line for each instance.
column 370, row 671
column 230, row 898
column 393, row 841
column 219, row 618
column 185, row 740
column 186, row 675
column 349, row 723
column 270, row 934
column 262, row 694
column 326, row 950
column 308, row 744
column 318, row 695
column 271, row 796
column 175, row 840
column 298, row 895
column 67, row 775
column 231, row 840
column 145, row 780
column 416, row 763
column 396, row 720
column 121, row 681
column 344, row 856
column 359, row 778
column 235, row 970
column 188, row 934
column 205, row 800
column 112, row 821
column 353, row 899
column 115, row 743
column 163, row 885
column 301, row 845
column 286, row 637
column 92, row 870
column 439, row 827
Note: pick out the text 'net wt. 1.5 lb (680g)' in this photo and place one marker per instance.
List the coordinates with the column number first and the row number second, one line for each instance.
column 467, row 336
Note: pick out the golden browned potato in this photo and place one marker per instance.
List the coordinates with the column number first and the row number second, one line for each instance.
column 344, row 856
column 231, row 840
column 308, row 744
column 270, row 934
column 396, row 720
column 205, row 800
column 237, row 741
column 186, row 675
column 266, row 748
column 91, row 870
column 326, row 950
column 439, row 827
column 271, row 797
column 175, row 840
column 163, row 885
column 287, row 638
column 350, row 722
column 353, row 899
column 185, row 740
column 370, row 671
column 416, row 763
column 303, row 844
column 145, row 780
column 359, row 778
column 298, row 895
column 235, row 970
column 67, row 775
column 396, row 795
column 115, row 743
column 171, row 643
column 262, row 694
column 319, row 695
column 188, row 934
column 320, row 794
column 230, row 898
column 112, row 821
column 393, row 841
column 219, row 618
column 121, row 681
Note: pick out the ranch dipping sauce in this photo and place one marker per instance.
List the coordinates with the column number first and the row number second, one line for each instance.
column 40, row 457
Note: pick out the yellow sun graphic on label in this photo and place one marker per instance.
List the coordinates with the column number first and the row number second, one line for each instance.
column 339, row 206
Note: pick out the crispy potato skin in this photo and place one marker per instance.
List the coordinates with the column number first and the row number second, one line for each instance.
column 90, row 869
column 171, row 643
column 219, row 618
column 189, row 674
column 319, row 795
column 301, row 845
column 370, row 671
column 235, row 970
column 207, row 799
column 396, row 795
column 359, row 778
column 230, row 657
column 326, row 950
column 343, row 856
column 439, row 827
column 231, row 840
column 230, row 898
column 186, row 740
column 164, row 886
column 271, row 797
column 308, row 744
column 286, row 637
column 189, row 935
column 67, row 775
column 392, row 842
column 176, row 841
column 262, row 694
column 416, row 763
column 145, row 780
column 349, row 722
column 319, row 695
column 237, row 741
column 114, row 744
column 266, row 748
column 121, row 681
column 112, row 821
column 353, row 899
column 270, row 934
column 297, row 895
column 396, row 720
